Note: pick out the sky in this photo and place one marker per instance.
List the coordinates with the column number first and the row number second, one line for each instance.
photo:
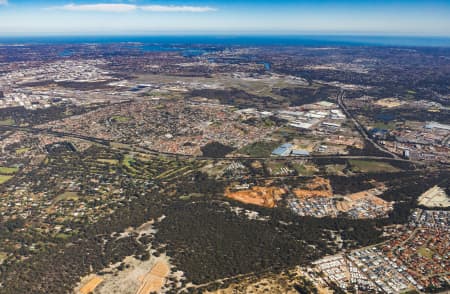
column 230, row 17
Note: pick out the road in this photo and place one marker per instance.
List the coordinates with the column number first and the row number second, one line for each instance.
column 140, row 149
column 360, row 128
column 55, row 133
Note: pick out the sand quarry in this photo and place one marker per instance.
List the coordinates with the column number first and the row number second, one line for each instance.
column 317, row 187
column 262, row 196
column 270, row 195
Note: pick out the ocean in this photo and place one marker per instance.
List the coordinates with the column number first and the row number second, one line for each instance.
column 297, row 40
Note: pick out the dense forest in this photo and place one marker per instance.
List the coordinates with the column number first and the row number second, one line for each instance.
column 204, row 236
column 238, row 98
column 216, row 150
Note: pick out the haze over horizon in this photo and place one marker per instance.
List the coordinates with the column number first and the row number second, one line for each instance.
column 412, row 18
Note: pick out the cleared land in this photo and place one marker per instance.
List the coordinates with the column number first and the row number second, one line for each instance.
column 261, row 196
column 434, row 197
column 366, row 166
column 90, row 286
column 154, row 280
column 282, row 283
column 352, row 200
column 389, row 102
column 317, row 187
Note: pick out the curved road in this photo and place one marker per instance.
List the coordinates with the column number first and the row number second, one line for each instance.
column 360, row 128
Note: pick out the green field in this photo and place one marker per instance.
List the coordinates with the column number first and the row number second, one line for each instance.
column 3, row 256
column 3, row 178
column 108, row 161
column 8, row 170
column 275, row 166
column 426, row 252
column 22, row 150
column 367, row 166
column 120, row 119
column 259, row 149
column 304, row 170
column 7, row 122
column 335, row 168
column 171, row 172
column 67, row 196
column 385, row 126
column 127, row 163
column 62, row 236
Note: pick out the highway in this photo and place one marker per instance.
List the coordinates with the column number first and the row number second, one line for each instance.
column 360, row 128
column 55, row 133
column 109, row 143
column 149, row 151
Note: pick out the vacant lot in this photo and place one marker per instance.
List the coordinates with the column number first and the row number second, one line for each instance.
column 434, row 197
column 367, row 166
column 389, row 102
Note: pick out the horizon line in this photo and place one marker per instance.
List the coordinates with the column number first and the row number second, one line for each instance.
column 223, row 34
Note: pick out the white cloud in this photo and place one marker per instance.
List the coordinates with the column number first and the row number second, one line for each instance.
column 101, row 7
column 105, row 7
column 173, row 8
column 3, row 2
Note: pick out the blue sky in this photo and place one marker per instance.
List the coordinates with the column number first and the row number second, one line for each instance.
column 382, row 17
